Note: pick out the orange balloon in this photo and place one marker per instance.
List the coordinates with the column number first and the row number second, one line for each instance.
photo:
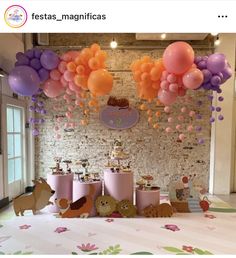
column 85, row 55
column 147, row 92
column 156, row 85
column 156, row 125
column 93, row 103
column 149, row 120
column 143, row 107
column 158, row 113
column 137, row 76
column 95, row 47
column 71, row 67
column 100, row 82
column 145, row 84
column 136, row 65
column 94, row 63
column 80, row 69
column 81, row 81
column 146, row 59
column 155, row 74
column 101, row 55
column 78, row 60
column 145, row 77
column 146, row 67
column 83, row 122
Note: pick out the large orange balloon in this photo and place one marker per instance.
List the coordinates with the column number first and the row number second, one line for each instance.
column 100, row 82
column 178, row 57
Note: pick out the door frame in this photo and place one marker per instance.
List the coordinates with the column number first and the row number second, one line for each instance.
column 18, row 103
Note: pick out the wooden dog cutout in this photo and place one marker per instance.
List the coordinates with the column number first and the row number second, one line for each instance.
column 35, row 201
column 80, row 208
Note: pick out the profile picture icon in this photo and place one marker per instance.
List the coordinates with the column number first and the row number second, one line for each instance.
column 15, row 16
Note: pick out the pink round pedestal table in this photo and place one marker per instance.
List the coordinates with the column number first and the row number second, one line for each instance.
column 81, row 189
column 145, row 198
column 119, row 185
column 62, row 185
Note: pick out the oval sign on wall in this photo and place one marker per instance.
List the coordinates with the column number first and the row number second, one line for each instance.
column 119, row 118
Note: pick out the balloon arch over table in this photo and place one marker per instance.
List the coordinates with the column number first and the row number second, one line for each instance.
column 80, row 78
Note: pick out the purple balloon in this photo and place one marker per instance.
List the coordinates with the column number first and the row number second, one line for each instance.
column 40, row 91
column 41, row 121
column 31, row 108
column 205, row 58
column 218, row 109
column 40, row 104
column 210, row 97
column 212, row 120
column 24, row 80
column 207, row 86
column 202, row 65
column 43, row 112
column 219, row 90
column 207, row 75
column 198, row 128
column 220, row 98
column 215, row 80
column 227, row 72
column 35, row 63
column 37, row 53
column 19, row 55
column 198, row 116
column 34, row 99
column 43, row 74
column 30, row 53
column 212, row 108
column 201, row 141
column 220, row 117
column 197, row 59
column 23, row 60
column 37, row 109
column 216, row 63
column 49, row 60
column 35, row 132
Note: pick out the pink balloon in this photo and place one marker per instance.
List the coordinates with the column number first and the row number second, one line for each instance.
column 164, row 85
column 55, row 75
column 69, row 115
column 181, row 92
column 56, row 128
column 168, row 130
column 52, row 88
column 63, row 82
column 167, row 109
column 62, row 67
column 69, row 92
column 170, row 119
column 174, row 87
column 166, row 97
column 59, row 119
column 178, row 127
column 77, row 102
column 182, row 137
column 178, row 57
column 70, row 108
column 180, row 118
column 73, row 54
column 67, row 125
column 66, row 57
column 183, row 109
column 171, row 78
column 74, row 87
column 191, row 113
column 164, row 75
column 193, row 79
column 190, row 128
column 66, row 96
column 69, row 76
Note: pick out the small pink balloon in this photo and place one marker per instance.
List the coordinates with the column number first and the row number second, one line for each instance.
column 66, row 96
column 69, row 92
column 168, row 130
column 180, row 118
column 59, row 119
column 74, row 87
column 66, row 57
column 69, row 76
column 166, row 97
column 178, row 127
column 170, row 119
column 69, row 115
column 164, row 85
column 77, row 102
column 63, row 81
column 55, row 75
column 56, row 128
column 70, row 108
column 167, row 109
column 193, row 79
column 164, row 75
column 182, row 137
column 183, row 109
column 62, row 67
column 191, row 113
column 68, row 101
column 67, row 125
column 190, row 128
column 52, row 88
column 174, row 87
column 58, row 136
column 171, row 78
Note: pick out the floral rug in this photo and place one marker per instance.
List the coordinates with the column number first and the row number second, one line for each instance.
column 186, row 233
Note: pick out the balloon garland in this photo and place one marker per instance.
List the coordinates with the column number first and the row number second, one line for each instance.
column 172, row 76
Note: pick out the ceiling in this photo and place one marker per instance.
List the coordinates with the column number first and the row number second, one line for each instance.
column 171, row 36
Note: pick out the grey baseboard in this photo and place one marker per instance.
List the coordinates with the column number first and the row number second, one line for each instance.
column 4, row 202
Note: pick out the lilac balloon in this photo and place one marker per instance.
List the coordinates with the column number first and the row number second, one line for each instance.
column 207, row 86
column 35, row 63
column 210, row 97
column 207, row 75
column 40, row 104
column 198, row 128
column 49, row 59
column 218, row 109
column 216, row 63
column 37, row 53
column 37, row 109
column 41, row 121
column 33, row 99
column 31, row 108
column 227, row 72
column 205, row 58
column 201, row 141
column 43, row 112
column 220, row 117
column 23, row 80
column 212, row 120
column 199, row 117
column 29, row 53
column 219, row 90
column 215, row 80
column 19, row 55
column 220, row 75
column 212, row 108
column 220, row 98
column 35, row 132
column 43, row 74
column 202, row 65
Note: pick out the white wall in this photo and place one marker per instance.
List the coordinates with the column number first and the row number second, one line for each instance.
column 223, row 132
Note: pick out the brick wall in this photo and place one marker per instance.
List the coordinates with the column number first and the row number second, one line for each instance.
column 151, row 150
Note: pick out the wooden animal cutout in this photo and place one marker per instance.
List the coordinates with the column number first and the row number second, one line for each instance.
column 80, row 208
column 35, row 201
column 126, row 209
column 105, row 205
column 161, row 210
